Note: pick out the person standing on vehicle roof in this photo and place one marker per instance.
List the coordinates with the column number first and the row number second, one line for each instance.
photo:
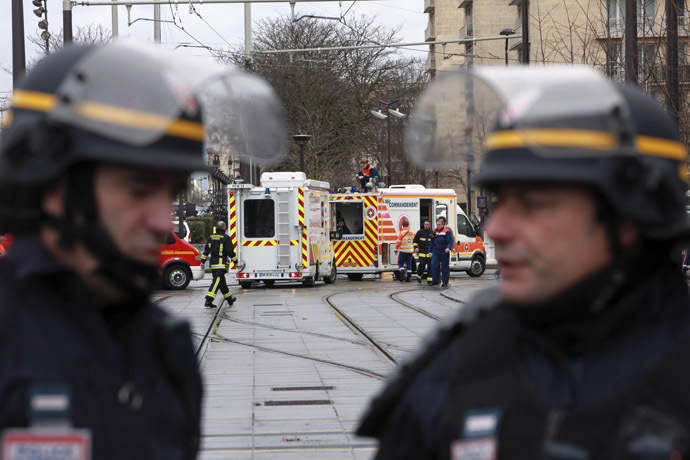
column 422, row 247
column 102, row 138
column 441, row 245
column 581, row 352
column 219, row 247
column 405, row 244
column 367, row 172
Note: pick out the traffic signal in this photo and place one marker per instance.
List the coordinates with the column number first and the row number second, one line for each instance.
column 42, row 12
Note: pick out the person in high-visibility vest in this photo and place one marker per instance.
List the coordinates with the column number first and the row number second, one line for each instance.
column 405, row 245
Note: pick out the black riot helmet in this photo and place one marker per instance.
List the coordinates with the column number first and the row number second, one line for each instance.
column 127, row 104
column 559, row 125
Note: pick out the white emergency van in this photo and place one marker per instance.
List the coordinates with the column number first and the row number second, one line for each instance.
column 370, row 223
column 281, row 230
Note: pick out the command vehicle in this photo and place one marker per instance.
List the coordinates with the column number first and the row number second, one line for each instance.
column 373, row 220
column 281, row 230
column 179, row 263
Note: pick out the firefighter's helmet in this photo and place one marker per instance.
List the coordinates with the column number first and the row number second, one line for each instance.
column 559, row 125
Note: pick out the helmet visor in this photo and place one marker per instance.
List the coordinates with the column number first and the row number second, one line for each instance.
column 137, row 93
column 560, row 111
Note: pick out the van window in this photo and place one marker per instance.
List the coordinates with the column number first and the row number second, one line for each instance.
column 349, row 216
column 441, row 211
column 169, row 239
column 465, row 227
column 259, row 218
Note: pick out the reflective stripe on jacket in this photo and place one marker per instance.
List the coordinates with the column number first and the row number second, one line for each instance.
column 405, row 242
column 443, row 239
column 219, row 247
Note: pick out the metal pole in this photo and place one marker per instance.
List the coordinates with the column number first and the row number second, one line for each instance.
column 389, row 151
column 18, row 49
column 506, row 52
column 45, row 7
column 66, row 21
column 115, row 19
column 248, row 35
column 672, row 58
column 631, row 58
column 156, row 23
column 301, row 157
column 525, row 32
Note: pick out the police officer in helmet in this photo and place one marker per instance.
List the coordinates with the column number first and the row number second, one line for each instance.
column 101, row 141
column 581, row 351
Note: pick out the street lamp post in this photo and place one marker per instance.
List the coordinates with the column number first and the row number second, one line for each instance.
column 301, row 140
column 381, row 116
column 507, row 32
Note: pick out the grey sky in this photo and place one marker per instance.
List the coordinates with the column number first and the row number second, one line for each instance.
column 227, row 20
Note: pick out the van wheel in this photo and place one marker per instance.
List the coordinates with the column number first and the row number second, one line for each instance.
column 308, row 282
column 269, row 283
column 476, row 267
column 177, row 277
column 330, row 279
column 354, row 276
column 245, row 284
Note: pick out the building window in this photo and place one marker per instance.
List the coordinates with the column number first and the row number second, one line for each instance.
column 646, row 12
column 615, row 67
column 646, row 55
column 468, row 21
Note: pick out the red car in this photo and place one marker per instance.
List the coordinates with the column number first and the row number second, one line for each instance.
column 179, row 263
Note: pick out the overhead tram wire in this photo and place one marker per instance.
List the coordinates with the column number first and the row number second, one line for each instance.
column 192, row 8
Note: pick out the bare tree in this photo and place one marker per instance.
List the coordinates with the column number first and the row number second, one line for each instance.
column 92, row 34
column 328, row 94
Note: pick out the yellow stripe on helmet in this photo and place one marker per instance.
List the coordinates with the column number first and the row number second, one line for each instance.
column 110, row 114
column 32, row 100
column 576, row 138
column 551, row 138
column 658, row 147
column 132, row 118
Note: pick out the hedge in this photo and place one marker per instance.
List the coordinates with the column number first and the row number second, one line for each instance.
column 204, row 227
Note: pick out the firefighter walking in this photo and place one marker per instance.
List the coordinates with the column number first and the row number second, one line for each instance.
column 219, row 247
column 422, row 247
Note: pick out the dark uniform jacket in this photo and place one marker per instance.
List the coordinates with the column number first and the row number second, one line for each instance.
column 555, row 381
column 130, row 370
column 219, row 247
column 443, row 239
column 422, row 241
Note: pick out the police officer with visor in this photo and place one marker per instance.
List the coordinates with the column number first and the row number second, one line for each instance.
column 101, row 141
column 581, row 351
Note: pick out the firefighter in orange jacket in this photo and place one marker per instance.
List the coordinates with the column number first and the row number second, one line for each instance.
column 405, row 244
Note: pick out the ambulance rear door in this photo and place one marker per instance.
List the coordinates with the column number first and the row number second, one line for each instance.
column 356, row 215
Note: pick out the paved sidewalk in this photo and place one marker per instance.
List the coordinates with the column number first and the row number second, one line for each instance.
column 286, row 378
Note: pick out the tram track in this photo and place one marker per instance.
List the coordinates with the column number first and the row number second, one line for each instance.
column 377, row 346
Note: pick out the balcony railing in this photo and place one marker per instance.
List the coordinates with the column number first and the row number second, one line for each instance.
column 429, row 6
column 430, row 33
column 466, row 31
column 647, row 27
